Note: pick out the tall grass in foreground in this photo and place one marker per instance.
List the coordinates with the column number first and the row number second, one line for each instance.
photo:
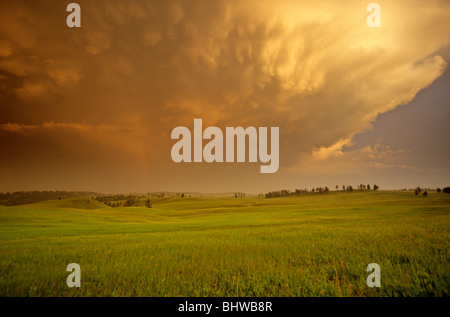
column 297, row 246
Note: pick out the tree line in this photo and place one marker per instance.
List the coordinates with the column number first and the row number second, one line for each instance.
column 317, row 190
column 122, row 200
column 424, row 192
column 35, row 196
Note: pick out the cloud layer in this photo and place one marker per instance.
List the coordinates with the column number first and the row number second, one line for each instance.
column 138, row 69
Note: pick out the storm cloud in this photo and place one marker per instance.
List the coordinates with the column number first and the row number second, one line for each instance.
column 92, row 108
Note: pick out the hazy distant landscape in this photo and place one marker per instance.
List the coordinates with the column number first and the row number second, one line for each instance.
column 300, row 245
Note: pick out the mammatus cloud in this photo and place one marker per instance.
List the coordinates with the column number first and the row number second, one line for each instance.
column 312, row 68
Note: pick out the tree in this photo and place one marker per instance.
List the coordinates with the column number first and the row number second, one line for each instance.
column 375, row 187
column 416, row 192
column 425, row 194
column 446, row 190
column 368, row 187
column 131, row 201
column 149, row 205
column 438, row 190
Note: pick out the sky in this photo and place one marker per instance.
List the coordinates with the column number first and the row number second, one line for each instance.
column 93, row 108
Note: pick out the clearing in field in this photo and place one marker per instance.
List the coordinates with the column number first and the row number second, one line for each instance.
column 311, row 245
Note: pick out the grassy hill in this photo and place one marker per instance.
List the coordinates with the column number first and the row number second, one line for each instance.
column 312, row 245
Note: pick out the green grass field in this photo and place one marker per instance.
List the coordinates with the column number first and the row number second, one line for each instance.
column 312, row 245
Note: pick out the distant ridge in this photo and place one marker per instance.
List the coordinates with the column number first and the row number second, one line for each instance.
column 30, row 197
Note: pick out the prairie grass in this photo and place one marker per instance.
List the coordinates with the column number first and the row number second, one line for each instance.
column 312, row 245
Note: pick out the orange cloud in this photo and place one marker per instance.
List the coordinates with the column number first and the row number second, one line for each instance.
column 137, row 69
